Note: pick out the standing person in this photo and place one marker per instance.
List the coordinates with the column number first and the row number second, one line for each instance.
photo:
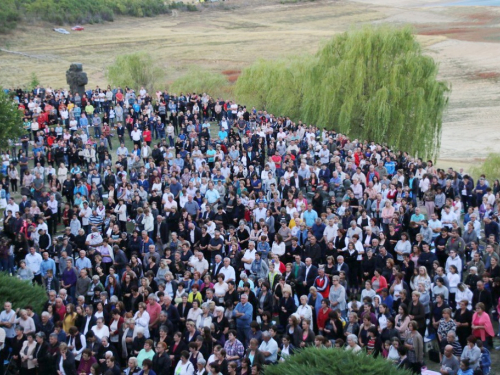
column 28, row 365
column 42, row 355
column 481, row 325
column 8, row 324
column 65, row 361
column 414, row 343
column 34, row 261
column 2, row 349
column 243, row 313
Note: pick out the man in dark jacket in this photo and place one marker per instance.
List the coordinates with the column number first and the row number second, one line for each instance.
column 46, row 326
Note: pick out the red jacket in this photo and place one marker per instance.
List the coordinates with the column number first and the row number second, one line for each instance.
column 382, row 283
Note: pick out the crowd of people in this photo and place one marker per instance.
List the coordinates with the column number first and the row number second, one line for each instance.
column 219, row 239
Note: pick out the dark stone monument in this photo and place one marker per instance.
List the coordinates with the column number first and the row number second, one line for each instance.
column 76, row 79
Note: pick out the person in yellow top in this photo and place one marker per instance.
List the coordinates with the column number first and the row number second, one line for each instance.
column 70, row 317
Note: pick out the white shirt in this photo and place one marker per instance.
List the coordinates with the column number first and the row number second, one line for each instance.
column 143, row 322
column 305, row 312
column 228, row 273
column 100, row 333
column 330, row 232
column 52, row 205
column 448, row 218
column 86, row 215
column 184, row 369
column 278, row 249
column 249, row 254
column 136, row 135
column 260, row 213
column 33, row 262
column 200, row 265
column 78, row 353
column 121, row 210
column 435, row 224
column 169, row 205
column 12, row 207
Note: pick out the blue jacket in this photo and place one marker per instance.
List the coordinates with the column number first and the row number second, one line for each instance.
column 247, row 309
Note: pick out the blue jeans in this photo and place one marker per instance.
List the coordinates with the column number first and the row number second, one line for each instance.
column 243, row 334
column 4, row 265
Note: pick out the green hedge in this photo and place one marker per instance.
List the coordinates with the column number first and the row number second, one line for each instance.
column 333, row 361
column 21, row 293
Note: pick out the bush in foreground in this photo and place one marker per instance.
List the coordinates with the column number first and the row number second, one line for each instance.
column 316, row 361
column 21, row 293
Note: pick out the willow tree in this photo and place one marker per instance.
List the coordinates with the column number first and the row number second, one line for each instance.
column 275, row 85
column 200, row 80
column 135, row 70
column 373, row 83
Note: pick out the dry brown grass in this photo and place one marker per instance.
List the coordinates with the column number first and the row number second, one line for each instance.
column 217, row 40
column 226, row 37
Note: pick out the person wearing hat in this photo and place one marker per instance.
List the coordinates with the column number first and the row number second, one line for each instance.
column 42, row 355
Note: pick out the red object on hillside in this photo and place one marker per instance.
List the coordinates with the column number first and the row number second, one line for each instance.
column 78, row 28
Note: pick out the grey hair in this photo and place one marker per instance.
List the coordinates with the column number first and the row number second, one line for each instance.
column 133, row 359
column 353, row 338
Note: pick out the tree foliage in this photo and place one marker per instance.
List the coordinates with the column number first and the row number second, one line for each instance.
column 200, row 80
column 10, row 120
column 135, row 70
column 373, row 83
column 490, row 168
column 78, row 11
column 9, row 15
column 333, row 361
column 21, row 293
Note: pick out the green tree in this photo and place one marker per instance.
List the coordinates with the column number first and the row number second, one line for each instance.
column 9, row 16
column 490, row 168
column 333, row 361
column 34, row 81
column 135, row 70
column 201, row 80
column 10, row 120
column 22, row 293
column 373, row 83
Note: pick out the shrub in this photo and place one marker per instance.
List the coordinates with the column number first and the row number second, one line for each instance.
column 134, row 70
column 201, row 80
column 490, row 168
column 21, row 293
column 333, row 361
